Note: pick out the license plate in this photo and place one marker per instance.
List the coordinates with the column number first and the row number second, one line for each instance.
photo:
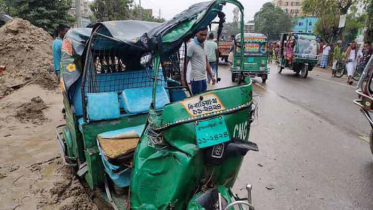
column 211, row 132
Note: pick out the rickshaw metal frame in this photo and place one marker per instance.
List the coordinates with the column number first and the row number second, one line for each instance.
column 359, row 90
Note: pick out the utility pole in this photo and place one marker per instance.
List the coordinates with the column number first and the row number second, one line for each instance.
column 159, row 14
column 140, row 10
column 78, row 13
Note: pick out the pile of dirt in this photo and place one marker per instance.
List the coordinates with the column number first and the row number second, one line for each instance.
column 26, row 52
column 32, row 111
column 67, row 194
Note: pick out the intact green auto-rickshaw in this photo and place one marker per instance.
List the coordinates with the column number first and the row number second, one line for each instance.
column 255, row 57
column 138, row 135
column 299, row 52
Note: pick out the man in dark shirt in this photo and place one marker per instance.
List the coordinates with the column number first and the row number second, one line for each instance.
column 367, row 52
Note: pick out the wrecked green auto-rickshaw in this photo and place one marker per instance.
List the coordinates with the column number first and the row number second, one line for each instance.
column 140, row 137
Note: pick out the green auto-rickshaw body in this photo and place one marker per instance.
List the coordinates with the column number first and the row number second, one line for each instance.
column 133, row 132
column 305, row 53
column 255, row 61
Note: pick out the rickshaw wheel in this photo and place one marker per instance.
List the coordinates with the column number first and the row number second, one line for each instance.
column 304, row 71
column 234, row 75
column 264, row 78
column 371, row 141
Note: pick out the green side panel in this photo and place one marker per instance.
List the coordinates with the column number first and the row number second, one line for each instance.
column 72, row 134
column 231, row 97
column 252, row 63
column 169, row 175
column 162, row 178
column 309, row 61
column 95, row 174
column 92, row 129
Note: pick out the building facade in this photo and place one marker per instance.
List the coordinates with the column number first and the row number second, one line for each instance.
column 84, row 8
column 291, row 7
column 305, row 24
column 250, row 27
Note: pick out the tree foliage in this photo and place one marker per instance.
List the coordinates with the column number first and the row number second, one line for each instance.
column 328, row 12
column 46, row 14
column 105, row 10
column 320, row 8
column 272, row 20
column 146, row 16
column 368, row 35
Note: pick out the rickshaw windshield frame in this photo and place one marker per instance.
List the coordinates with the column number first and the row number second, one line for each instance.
column 197, row 25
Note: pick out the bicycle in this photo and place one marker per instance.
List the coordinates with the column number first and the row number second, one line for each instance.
column 342, row 70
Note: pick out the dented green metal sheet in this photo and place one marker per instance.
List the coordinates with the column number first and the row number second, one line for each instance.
column 168, row 175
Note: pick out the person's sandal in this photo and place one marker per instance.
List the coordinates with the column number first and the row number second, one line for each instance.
column 350, row 83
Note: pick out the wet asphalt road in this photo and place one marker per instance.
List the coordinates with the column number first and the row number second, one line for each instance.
column 312, row 140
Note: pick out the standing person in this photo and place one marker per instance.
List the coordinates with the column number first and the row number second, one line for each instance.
column 270, row 53
column 321, row 48
column 337, row 55
column 233, row 47
column 367, row 53
column 325, row 55
column 290, row 51
column 351, row 60
column 212, row 52
column 56, row 47
column 197, row 56
column 277, row 50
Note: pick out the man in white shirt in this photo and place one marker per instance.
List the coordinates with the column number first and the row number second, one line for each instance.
column 325, row 55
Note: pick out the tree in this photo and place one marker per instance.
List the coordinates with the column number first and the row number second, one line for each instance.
column 272, row 21
column 105, row 10
column 320, row 8
column 328, row 12
column 146, row 16
column 368, row 34
column 8, row 7
column 47, row 14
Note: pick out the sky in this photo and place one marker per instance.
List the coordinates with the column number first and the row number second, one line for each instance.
column 170, row 8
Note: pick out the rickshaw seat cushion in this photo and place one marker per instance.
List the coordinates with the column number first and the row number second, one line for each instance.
column 103, row 106
column 114, row 144
column 138, row 100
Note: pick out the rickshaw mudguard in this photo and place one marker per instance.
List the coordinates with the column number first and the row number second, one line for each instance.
column 169, row 175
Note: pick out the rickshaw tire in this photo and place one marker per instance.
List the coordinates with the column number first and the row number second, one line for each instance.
column 371, row 141
column 357, row 74
column 306, row 74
